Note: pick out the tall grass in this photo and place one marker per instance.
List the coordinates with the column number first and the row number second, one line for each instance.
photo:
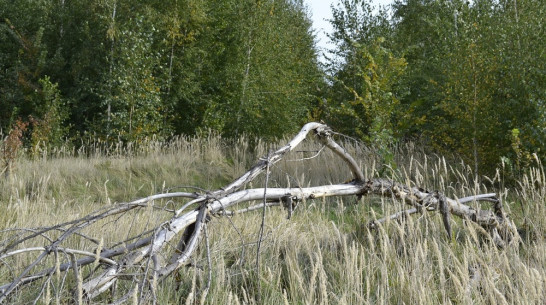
column 324, row 254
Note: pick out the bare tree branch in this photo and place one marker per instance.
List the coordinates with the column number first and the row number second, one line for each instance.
column 188, row 226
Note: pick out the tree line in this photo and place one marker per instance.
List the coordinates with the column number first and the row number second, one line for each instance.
column 463, row 77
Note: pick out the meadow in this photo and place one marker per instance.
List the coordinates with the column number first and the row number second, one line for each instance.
column 324, row 254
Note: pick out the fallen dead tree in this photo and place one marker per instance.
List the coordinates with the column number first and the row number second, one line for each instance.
column 187, row 226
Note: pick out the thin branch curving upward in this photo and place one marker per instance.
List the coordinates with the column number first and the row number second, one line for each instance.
column 188, row 225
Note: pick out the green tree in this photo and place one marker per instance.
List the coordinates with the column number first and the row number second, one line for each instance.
column 185, row 30
column 366, row 75
column 265, row 70
column 48, row 128
column 133, row 92
column 470, row 122
column 23, row 57
column 364, row 96
column 424, row 32
column 520, row 55
column 371, row 110
column 473, row 76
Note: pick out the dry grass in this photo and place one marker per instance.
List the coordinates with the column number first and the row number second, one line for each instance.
column 323, row 255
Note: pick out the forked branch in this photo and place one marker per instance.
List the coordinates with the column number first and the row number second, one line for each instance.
column 188, row 225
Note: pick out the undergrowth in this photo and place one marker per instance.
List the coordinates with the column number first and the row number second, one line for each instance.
column 324, row 254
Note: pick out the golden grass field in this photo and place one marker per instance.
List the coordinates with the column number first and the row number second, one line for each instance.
column 323, row 255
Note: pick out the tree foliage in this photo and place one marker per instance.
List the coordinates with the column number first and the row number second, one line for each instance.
column 468, row 77
column 132, row 69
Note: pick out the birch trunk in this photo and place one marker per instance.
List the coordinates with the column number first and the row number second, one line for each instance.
column 188, row 225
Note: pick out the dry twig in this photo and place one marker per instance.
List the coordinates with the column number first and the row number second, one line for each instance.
column 188, row 226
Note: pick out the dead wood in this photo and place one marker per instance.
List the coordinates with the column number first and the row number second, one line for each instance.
column 188, row 226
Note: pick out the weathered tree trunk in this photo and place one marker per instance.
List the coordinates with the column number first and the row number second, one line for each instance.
column 188, row 225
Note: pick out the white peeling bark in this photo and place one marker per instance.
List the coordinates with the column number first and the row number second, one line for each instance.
column 192, row 222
